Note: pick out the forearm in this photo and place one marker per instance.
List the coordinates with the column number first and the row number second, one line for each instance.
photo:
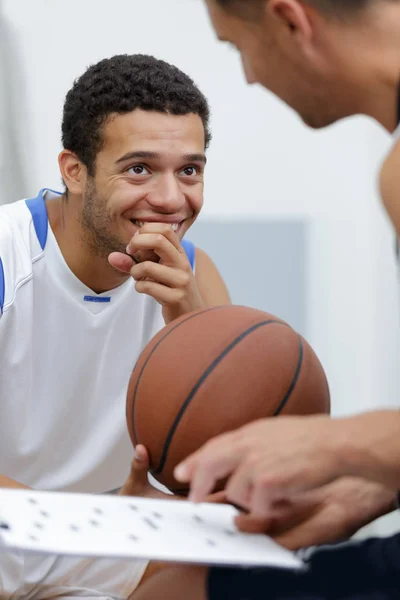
column 370, row 446
column 6, row 482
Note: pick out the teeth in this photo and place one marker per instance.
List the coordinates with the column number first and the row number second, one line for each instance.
column 174, row 226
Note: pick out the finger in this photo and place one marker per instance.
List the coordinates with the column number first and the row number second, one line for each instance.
column 164, row 295
column 173, row 278
column 161, row 245
column 121, row 262
column 163, row 229
column 252, row 524
column 217, row 498
column 212, row 462
column 141, row 459
column 286, row 478
column 312, row 532
column 239, row 487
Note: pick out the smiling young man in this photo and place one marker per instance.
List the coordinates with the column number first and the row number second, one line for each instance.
column 87, row 277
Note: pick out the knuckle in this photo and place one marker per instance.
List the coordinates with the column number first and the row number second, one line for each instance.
column 264, row 482
column 185, row 279
column 143, row 285
column 147, row 267
column 179, row 295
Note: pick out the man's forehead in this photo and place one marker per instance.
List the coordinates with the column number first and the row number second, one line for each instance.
column 154, row 128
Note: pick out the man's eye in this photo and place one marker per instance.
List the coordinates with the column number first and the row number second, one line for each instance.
column 138, row 170
column 189, row 171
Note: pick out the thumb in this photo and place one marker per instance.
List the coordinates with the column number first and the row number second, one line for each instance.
column 121, row 262
column 139, row 467
column 252, row 524
column 141, row 459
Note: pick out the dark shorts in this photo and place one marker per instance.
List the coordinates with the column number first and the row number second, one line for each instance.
column 366, row 570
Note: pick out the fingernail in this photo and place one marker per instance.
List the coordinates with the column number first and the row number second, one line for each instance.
column 180, row 473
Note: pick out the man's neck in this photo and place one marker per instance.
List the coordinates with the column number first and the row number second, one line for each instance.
column 91, row 269
column 376, row 69
column 380, row 97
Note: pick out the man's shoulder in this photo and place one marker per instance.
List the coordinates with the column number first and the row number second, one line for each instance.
column 19, row 248
column 389, row 181
column 14, row 222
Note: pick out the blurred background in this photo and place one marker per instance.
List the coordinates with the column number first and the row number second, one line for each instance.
column 292, row 217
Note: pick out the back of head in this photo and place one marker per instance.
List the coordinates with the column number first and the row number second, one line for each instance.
column 332, row 7
column 120, row 85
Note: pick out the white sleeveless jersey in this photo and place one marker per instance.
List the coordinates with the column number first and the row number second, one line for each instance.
column 66, row 355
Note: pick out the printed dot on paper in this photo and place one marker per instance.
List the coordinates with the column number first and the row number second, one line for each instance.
column 133, row 538
column 210, row 542
column 157, row 515
column 198, row 519
column 44, row 513
column 38, row 525
column 74, row 527
column 98, row 511
column 4, row 526
column 150, row 523
column 133, row 507
column 32, row 501
column 94, row 523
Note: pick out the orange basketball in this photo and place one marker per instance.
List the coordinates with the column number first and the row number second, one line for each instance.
column 212, row 371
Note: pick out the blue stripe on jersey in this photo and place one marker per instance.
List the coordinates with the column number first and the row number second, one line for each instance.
column 190, row 250
column 37, row 206
column 2, row 287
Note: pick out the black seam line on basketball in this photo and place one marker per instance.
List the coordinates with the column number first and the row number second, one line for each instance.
column 196, row 387
column 190, row 316
column 294, row 380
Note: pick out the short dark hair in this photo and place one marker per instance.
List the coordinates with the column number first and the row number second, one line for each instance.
column 329, row 6
column 120, row 85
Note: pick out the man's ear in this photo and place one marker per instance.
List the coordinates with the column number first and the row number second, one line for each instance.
column 73, row 172
column 293, row 15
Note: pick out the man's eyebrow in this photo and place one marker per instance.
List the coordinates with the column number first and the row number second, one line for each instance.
column 138, row 154
column 144, row 154
column 195, row 158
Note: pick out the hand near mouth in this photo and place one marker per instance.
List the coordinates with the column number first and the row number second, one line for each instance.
column 161, row 269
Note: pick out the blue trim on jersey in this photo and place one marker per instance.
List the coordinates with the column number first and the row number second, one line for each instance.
column 190, row 250
column 37, row 206
column 2, row 287
column 100, row 299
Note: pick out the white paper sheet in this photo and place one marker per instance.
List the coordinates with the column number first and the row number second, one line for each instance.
column 114, row 526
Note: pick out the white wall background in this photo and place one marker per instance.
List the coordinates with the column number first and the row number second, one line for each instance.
column 262, row 162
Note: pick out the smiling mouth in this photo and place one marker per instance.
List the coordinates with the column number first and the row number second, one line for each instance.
column 174, row 226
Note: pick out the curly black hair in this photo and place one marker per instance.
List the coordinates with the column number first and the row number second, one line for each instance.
column 120, row 85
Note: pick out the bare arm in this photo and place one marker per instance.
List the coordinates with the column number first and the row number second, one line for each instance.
column 209, row 281
column 369, row 447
